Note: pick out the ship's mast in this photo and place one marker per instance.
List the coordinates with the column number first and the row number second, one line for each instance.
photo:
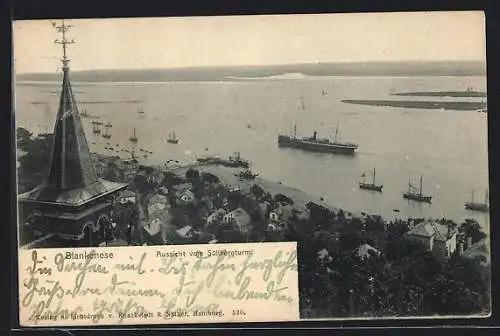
column 295, row 122
column 486, row 198
column 337, row 129
column 421, row 177
column 373, row 176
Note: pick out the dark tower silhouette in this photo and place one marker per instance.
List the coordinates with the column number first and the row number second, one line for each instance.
column 73, row 203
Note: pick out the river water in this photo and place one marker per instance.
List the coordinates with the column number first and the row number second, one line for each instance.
column 449, row 148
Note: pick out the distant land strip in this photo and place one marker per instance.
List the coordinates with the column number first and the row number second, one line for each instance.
column 443, row 94
column 402, row 68
column 461, row 106
column 39, row 102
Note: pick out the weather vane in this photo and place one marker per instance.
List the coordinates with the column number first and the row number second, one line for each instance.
column 62, row 29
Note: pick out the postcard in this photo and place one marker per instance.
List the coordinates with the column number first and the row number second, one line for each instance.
column 252, row 168
column 252, row 282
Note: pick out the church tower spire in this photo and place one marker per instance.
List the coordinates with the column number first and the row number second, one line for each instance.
column 71, row 165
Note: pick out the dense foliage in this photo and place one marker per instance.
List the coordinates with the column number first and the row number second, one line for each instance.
column 34, row 162
column 405, row 279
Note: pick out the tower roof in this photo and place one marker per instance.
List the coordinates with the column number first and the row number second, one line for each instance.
column 72, row 178
column 71, row 165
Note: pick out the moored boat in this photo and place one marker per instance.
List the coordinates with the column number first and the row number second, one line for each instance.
column 106, row 134
column 172, row 138
column 415, row 194
column 133, row 137
column 476, row 206
column 370, row 186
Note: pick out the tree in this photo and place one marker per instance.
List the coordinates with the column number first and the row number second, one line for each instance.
column 171, row 179
column 192, row 174
column 23, row 136
column 111, row 174
column 210, row 178
column 257, row 191
column 141, row 184
column 462, row 288
column 471, row 228
column 35, row 163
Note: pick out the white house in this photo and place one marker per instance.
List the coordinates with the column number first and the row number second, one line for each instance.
column 215, row 217
column 324, row 256
column 364, row 251
column 154, row 227
column 179, row 188
column 233, row 188
column 185, row 232
column 156, row 177
column 157, row 204
column 274, row 217
column 240, row 218
column 186, row 197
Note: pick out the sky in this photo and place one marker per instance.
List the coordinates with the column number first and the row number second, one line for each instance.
column 140, row 43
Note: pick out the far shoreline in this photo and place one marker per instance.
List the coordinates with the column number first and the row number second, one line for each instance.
column 412, row 104
column 460, row 94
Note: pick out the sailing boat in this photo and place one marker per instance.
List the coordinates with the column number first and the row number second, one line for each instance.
column 108, row 124
column 370, row 186
column 416, row 195
column 172, row 138
column 140, row 111
column 315, row 144
column 133, row 137
column 106, row 134
column 484, row 207
column 95, row 128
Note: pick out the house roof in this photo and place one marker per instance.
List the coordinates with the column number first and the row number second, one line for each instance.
column 183, row 231
column 71, row 165
column 364, row 250
column 430, row 228
column 183, row 186
column 157, row 198
column 127, row 193
column 187, row 193
column 216, row 213
column 154, row 227
column 323, row 253
column 240, row 215
column 73, row 197
column 422, row 229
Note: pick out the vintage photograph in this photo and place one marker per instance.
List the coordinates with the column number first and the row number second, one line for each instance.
column 362, row 137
